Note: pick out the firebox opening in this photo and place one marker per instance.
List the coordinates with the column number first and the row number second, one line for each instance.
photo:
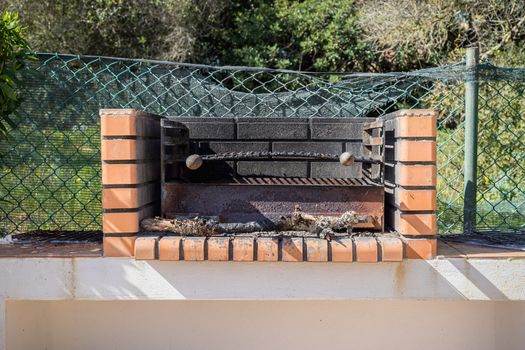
column 275, row 176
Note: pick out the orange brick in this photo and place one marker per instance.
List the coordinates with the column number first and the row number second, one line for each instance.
column 194, row 248
column 292, row 249
column 129, row 174
column 146, row 248
column 129, row 198
column 416, row 175
column 415, row 199
column 416, row 224
column 119, row 149
column 120, row 198
column 415, row 151
column 420, row 248
column 267, row 249
column 218, row 248
column 121, row 222
column 243, row 249
column 416, row 127
column 124, row 149
column 120, row 174
column 391, row 248
column 119, row 246
column 118, row 125
column 128, row 122
column 366, row 249
column 169, row 248
column 342, row 250
column 316, row 249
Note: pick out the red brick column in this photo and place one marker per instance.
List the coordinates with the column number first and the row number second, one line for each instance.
column 130, row 155
column 410, row 180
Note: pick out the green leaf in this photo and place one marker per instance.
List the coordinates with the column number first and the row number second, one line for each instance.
column 13, row 55
column 10, row 122
column 8, row 91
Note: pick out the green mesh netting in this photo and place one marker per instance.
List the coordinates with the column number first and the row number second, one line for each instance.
column 50, row 166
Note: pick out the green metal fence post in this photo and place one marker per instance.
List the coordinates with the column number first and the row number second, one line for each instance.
column 471, row 140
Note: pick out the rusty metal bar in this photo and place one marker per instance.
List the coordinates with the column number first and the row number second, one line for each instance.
column 279, row 156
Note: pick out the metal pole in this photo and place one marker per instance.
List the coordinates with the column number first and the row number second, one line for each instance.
column 471, row 140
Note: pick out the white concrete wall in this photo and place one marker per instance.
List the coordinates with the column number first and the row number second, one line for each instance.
column 232, row 325
column 115, row 303
column 120, row 278
column 510, row 325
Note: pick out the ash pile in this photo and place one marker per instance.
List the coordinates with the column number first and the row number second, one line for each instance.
column 296, row 224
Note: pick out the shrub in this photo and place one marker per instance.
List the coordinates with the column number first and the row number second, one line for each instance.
column 13, row 52
column 307, row 35
column 165, row 29
column 410, row 34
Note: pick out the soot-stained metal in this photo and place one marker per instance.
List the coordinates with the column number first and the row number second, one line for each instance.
column 195, row 161
column 265, row 179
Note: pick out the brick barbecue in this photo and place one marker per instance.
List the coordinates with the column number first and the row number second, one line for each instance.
column 247, row 175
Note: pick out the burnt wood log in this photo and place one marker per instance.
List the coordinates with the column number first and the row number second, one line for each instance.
column 323, row 226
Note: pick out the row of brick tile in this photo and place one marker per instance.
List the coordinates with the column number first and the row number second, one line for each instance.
column 291, row 249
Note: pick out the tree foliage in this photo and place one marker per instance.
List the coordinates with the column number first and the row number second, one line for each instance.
column 409, row 34
column 305, row 35
column 13, row 52
column 336, row 35
column 163, row 29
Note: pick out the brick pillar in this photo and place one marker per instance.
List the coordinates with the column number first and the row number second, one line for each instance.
column 130, row 175
column 410, row 180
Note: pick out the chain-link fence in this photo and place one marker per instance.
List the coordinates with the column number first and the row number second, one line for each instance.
column 50, row 166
